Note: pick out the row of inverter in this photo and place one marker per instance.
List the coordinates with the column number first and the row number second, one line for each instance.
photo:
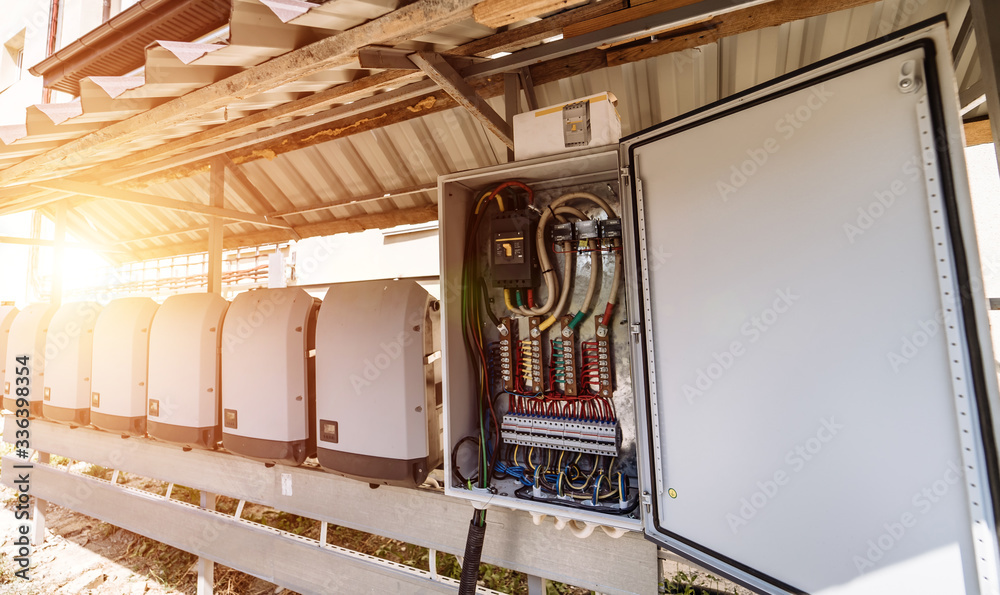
column 276, row 375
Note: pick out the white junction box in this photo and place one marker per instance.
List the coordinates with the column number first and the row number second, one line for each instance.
column 768, row 423
column 268, row 375
column 184, row 404
column 27, row 338
column 121, row 348
column 377, row 380
column 589, row 121
column 69, row 347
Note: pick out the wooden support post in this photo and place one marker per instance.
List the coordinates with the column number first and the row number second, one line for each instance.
column 536, row 585
column 58, row 257
column 38, row 512
column 986, row 22
column 529, row 88
column 206, row 568
column 511, row 104
column 446, row 77
column 216, row 194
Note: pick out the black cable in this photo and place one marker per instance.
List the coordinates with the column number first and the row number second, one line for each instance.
column 473, row 553
column 486, row 303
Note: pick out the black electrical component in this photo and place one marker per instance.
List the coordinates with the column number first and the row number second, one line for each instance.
column 562, row 232
column 611, row 228
column 512, row 249
column 587, row 230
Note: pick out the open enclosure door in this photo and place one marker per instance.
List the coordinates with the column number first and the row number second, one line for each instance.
column 811, row 333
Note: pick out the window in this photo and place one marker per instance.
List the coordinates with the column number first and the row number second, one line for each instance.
column 12, row 60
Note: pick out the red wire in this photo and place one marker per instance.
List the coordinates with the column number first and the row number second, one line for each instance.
column 521, row 185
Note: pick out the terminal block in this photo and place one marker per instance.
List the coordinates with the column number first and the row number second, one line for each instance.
column 562, row 232
column 531, row 357
column 573, row 435
column 508, row 338
column 611, row 228
column 564, row 357
column 603, row 358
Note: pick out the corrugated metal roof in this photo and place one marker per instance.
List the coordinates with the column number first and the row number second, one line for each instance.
column 412, row 153
column 117, row 46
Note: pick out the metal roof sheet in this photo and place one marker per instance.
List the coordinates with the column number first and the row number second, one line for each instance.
column 327, row 179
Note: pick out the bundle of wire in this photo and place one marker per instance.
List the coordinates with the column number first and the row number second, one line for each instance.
column 473, row 294
column 581, row 481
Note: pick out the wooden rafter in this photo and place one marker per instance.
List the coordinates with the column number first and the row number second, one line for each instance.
column 498, row 13
column 162, row 202
column 978, row 133
column 413, row 20
column 53, row 244
column 446, row 77
column 350, row 225
column 274, row 141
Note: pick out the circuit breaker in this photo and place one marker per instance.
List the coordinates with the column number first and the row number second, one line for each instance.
column 378, row 381
column 512, row 249
column 121, row 363
column 69, row 347
column 269, row 375
column 186, row 335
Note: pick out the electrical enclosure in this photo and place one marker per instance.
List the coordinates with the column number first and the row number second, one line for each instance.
column 27, row 338
column 69, row 347
column 550, row 361
column 808, row 341
column 377, row 382
column 268, row 375
column 121, row 362
column 184, row 408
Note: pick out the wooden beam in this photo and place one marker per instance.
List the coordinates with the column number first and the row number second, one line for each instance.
column 255, row 195
column 623, row 16
column 52, row 244
column 216, row 198
column 769, row 14
column 498, row 13
column 357, row 200
column 413, row 20
column 118, row 171
column 349, row 225
column 528, row 84
column 986, row 23
column 33, row 200
column 549, row 71
column 978, row 133
column 511, row 104
column 349, row 92
column 155, row 201
column 55, row 298
column 446, row 77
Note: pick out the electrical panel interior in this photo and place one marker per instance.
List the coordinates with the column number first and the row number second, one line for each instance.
column 538, row 385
